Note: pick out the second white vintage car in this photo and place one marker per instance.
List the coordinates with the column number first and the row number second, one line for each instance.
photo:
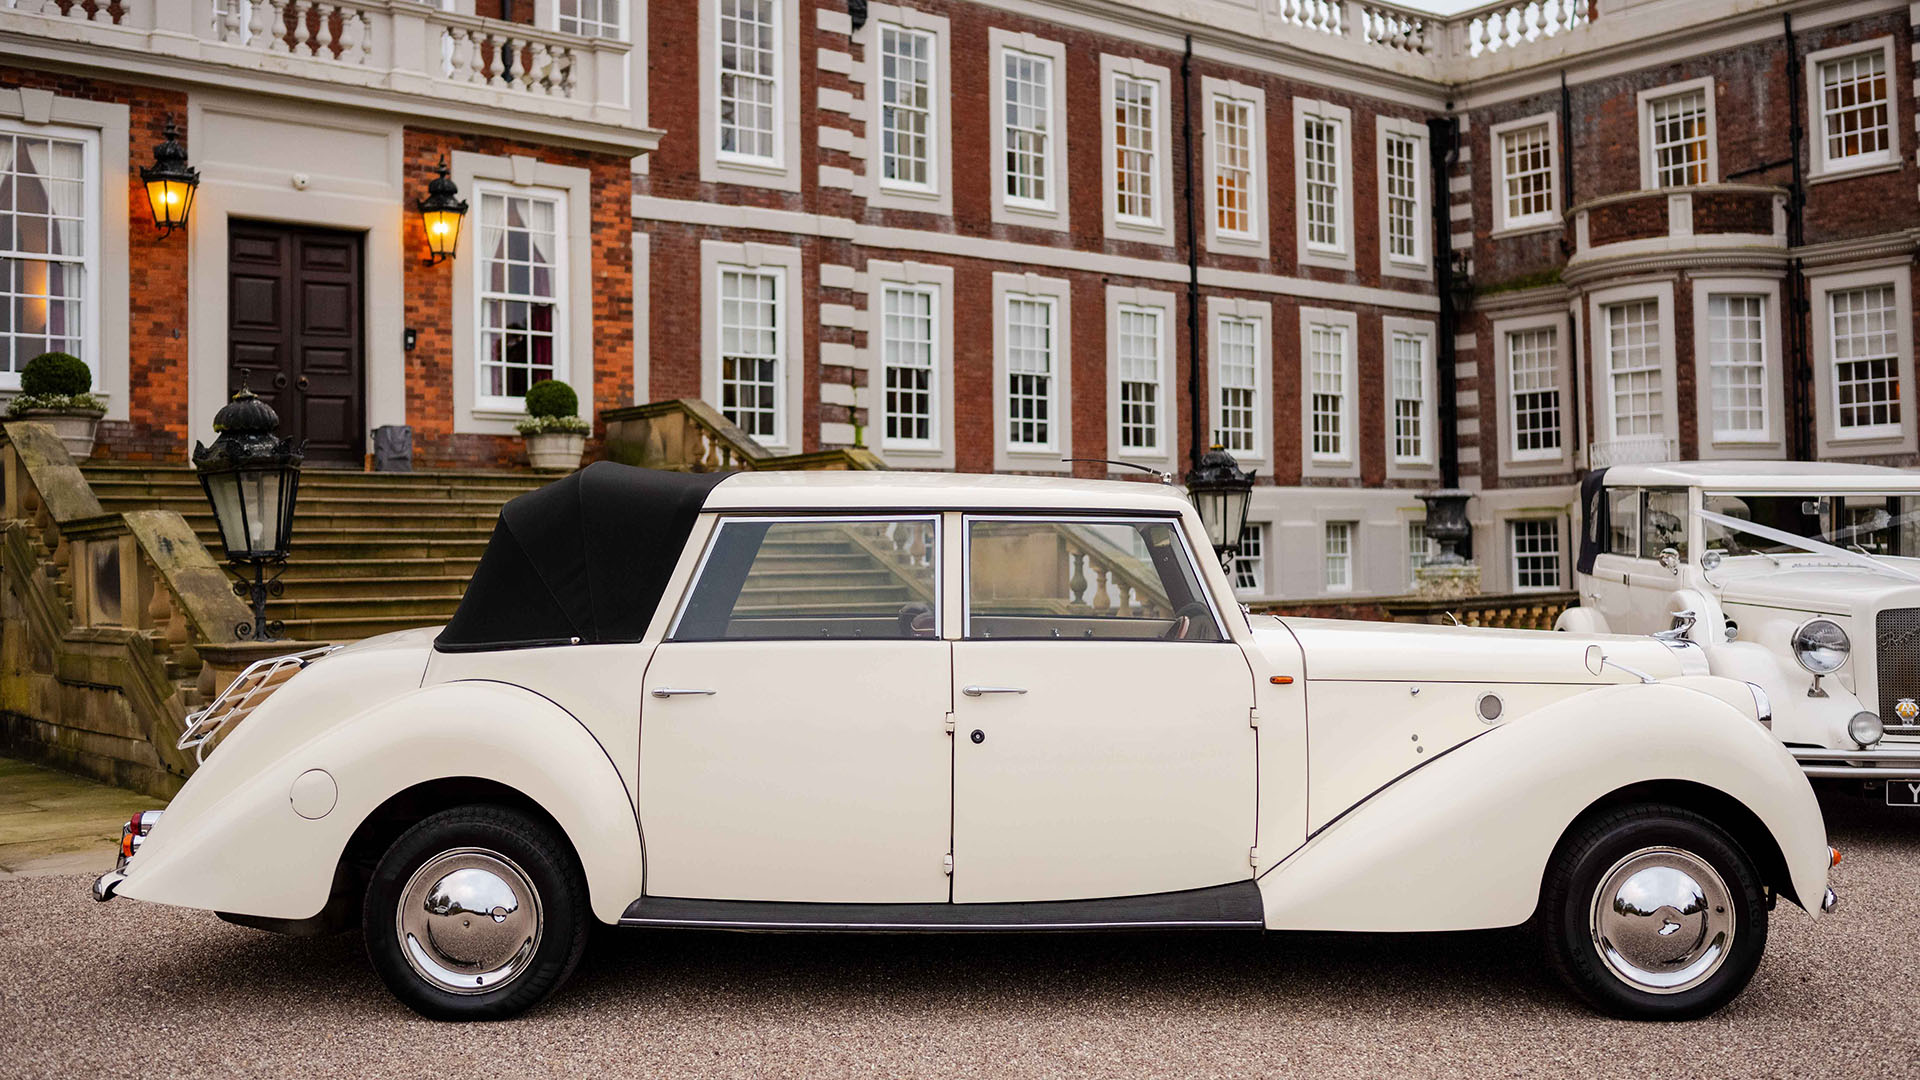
column 1802, row 578
column 900, row 702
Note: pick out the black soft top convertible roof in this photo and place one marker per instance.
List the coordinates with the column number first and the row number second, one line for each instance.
column 583, row 560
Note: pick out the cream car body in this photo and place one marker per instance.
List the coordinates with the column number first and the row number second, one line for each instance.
column 1252, row 771
column 1748, row 593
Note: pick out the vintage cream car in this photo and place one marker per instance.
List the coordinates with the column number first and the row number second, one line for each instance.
column 948, row 703
column 1801, row 578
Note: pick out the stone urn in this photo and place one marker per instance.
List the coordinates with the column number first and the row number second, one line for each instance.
column 76, row 427
column 555, row 451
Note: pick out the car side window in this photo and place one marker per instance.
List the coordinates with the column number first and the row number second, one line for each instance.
column 836, row 578
column 1664, row 523
column 1623, row 516
column 1083, row 580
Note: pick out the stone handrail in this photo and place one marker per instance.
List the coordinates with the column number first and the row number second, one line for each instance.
column 135, row 621
column 689, row 435
column 1511, row 24
column 403, row 45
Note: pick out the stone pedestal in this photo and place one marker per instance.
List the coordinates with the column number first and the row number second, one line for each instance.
column 1446, row 581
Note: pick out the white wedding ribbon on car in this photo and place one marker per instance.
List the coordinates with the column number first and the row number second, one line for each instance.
column 1811, row 546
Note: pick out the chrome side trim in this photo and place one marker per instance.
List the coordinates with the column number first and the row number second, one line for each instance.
column 942, row 928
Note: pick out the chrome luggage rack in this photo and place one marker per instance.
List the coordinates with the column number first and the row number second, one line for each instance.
column 243, row 695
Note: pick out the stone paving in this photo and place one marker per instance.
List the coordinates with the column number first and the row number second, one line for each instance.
column 55, row 823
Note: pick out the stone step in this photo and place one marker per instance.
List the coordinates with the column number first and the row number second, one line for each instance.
column 354, row 628
column 309, row 586
column 426, row 608
column 404, row 567
column 803, row 597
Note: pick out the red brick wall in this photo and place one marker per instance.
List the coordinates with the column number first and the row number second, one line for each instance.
column 429, row 301
column 157, row 271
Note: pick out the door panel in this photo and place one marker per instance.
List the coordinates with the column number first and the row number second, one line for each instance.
column 1126, row 767
column 818, row 771
column 295, row 333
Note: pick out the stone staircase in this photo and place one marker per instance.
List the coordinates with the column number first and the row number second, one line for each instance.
column 812, row 571
column 372, row 552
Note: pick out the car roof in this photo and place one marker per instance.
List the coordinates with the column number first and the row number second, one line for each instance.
column 890, row 490
column 1791, row 476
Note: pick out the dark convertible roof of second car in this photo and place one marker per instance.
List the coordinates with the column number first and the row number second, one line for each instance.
column 583, row 560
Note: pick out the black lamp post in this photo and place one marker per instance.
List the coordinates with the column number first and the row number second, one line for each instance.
column 170, row 182
column 442, row 210
column 252, row 477
column 1220, row 490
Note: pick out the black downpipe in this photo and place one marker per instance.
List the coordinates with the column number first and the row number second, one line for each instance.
column 1201, row 419
column 1799, row 364
column 1566, row 200
column 1443, row 149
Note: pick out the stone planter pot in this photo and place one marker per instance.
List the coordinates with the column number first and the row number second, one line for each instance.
column 74, row 426
column 557, row 451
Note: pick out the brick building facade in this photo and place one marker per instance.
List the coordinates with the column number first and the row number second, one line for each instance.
column 1495, row 249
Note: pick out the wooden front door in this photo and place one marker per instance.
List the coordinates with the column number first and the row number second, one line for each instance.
column 294, row 333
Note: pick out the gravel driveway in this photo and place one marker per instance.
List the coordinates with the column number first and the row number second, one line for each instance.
column 131, row 989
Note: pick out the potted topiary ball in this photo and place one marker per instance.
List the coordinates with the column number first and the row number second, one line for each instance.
column 54, row 389
column 555, row 434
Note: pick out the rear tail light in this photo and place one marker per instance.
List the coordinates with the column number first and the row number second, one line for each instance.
column 136, row 830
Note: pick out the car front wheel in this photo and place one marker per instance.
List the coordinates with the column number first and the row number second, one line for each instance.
column 1653, row 913
column 475, row 913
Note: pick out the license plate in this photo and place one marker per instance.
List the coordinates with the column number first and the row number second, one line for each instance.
column 1903, row 793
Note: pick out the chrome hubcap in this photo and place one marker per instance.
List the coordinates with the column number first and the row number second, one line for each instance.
column 469, row 920
column 1662, row 920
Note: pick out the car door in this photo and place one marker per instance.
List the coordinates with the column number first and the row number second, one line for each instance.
column 793, row 739
column 1103, row 744
column 1633, row 585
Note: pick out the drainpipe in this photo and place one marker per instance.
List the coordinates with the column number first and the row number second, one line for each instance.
column 1799, row 403
column 1201, row 421
column 1443, row 149
column 1578, row 408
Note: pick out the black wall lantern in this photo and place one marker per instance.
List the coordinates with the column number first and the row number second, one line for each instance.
column 252, row 479
column 1220, row 490
column 442, row 210
column 170, row 182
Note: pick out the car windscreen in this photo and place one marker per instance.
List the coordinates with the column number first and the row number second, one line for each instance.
column 1874, row 524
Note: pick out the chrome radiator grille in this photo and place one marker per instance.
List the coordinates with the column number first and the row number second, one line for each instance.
column 1897, row 662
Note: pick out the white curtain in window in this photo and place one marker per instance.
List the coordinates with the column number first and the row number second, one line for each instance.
column 60, row 169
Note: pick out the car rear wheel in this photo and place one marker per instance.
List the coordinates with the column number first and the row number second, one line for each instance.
column 475, row 913
column 1653, row 913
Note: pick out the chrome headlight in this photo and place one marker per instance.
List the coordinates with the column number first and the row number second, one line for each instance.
column 1865, row 728
column 1821, row 646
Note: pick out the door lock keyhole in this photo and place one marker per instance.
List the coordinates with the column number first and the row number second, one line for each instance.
column 978, row 736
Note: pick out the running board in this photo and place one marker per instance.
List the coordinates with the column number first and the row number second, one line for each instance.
column 1232, row 906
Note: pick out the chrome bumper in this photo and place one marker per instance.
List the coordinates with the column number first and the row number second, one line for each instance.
column 107, row 884
column 1880, row 763
column 1829, row 902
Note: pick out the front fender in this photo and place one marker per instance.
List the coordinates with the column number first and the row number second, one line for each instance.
column 244, row 850
column 1475, row 828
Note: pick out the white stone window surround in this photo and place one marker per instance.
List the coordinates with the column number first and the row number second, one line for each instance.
column 105, row 312
column 936, row 197
column 939, row 280
column 1426, row 465
column 1007, row 458
column 788, row 262
column 590, row 23
column 1052, row 212
column 1534, row 533
column 1821, row 165
column 1661, row 292
column 1773, row 445
column 1157, row 228
column 1347, row 463
column 782, row 172
column 1514, row 462
column 573, row 349
column 1260, row 314
column 1338, row 256
column 561, row 300
column 1419, row 265
column 1649, row 167
column 1822, row 284
column 1255, row 243
column 1505, row 223
column 1168, row 409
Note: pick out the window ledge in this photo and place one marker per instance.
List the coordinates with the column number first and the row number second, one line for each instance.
column 1848, row 172
column 1524, row 229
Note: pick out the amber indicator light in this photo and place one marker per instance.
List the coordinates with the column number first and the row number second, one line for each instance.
column 1281, row 680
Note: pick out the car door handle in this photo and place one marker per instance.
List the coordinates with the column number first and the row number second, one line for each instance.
column 976, row 691
column 668, row 691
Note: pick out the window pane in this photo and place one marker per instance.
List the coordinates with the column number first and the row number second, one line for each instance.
column 1133, row 143
column 1083, row 580
column 1337, row 555
column 1866, row 357
column 1327, row 359
column 1665, row 524
column 519, row 302
column 1028, row 124
column 1250, row 561
column 906, row 106
column 1233, row 165
column 43, row 257
column 1536, row 554
column 751, row 343
column 1853, row 106
column 1736, row 357
column 1533, row 371
column 1409, row 397
column 805, row 580
column 1403, row 197
column 1623, row 515
column 1320, row 148
column 906, row 345
column 1527, row 157
column 1029, row 371
column 1679, row 139
column 1239, row 355
column 593, row 18
column 1633, row 358
column 1139, row 362
column 749, row 77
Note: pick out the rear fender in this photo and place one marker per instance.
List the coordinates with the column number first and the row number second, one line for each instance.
column 1463, row 842
column 245, row 850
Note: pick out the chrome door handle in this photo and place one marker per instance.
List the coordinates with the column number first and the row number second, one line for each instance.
column 976, row 691
column 668, row 691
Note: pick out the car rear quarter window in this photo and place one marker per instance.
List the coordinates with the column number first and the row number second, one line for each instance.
column 833, row 578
